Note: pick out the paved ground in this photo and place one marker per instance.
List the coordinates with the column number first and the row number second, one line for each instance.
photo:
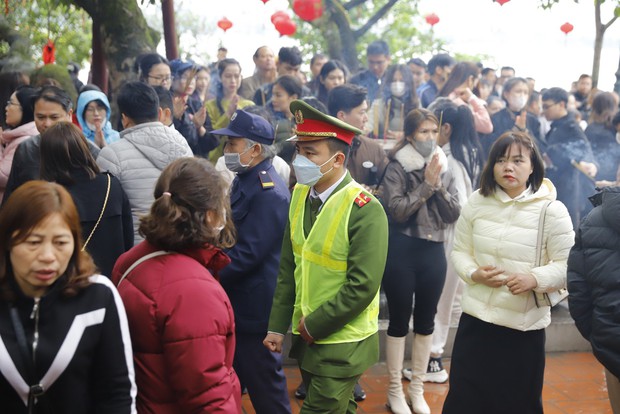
column 574, row 384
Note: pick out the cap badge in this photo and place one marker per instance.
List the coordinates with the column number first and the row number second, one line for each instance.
column 232, row 118
column 299, row 117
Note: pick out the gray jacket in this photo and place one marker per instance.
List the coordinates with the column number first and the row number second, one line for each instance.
column 138, row 159
column 415, row 208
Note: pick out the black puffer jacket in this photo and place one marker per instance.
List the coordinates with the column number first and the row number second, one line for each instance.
column 594, row 278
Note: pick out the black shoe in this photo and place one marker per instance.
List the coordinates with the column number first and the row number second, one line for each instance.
column 300, row 392
column 358, row 393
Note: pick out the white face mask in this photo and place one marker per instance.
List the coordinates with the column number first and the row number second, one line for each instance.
column 233, row 161
column 397, row 88
column 307, row 172
column 517, row 103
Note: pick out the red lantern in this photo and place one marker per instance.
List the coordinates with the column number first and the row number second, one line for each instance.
column 502, row 2
column 432, row 19
column 567, row 28
column 264, row 1
column 308, row 10
column 224, row 24
column 49, row 52
column 279, row 15
column 286, row 27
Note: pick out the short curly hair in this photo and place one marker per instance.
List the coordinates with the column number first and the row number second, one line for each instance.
column 187, row 190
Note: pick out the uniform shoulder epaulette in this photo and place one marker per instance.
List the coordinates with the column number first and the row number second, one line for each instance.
column 362, row 199
column 265, row 180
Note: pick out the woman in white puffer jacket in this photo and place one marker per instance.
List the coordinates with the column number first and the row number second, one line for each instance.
column 499, row 352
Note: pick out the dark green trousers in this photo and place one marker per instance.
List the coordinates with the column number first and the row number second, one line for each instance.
column 328, row 395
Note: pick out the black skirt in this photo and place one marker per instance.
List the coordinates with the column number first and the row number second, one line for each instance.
column 495, row 369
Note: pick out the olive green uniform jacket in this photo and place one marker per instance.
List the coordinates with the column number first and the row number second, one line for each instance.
column 368, row 238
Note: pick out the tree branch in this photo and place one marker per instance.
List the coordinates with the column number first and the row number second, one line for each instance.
column 609, row 23
column 352, row 4
column 374, row 19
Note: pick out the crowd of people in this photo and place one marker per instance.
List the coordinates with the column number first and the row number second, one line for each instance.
column 155, row 259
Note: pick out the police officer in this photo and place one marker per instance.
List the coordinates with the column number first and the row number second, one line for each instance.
column 259, row 201
column 333, row 257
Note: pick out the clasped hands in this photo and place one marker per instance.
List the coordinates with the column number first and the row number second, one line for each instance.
column 494, row 277
column 432, row 173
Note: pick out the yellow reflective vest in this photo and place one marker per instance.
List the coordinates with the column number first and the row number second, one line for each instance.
column 321, row 261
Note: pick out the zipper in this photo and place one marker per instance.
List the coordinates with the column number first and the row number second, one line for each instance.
column 35, row 339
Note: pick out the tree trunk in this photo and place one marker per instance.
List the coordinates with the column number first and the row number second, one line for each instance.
column 124, row 36
column 170, row 33
column 617, row 84
column 98, row 67
column 341, row 38
column 598, row 43
column 339, row 35
column 601, row 28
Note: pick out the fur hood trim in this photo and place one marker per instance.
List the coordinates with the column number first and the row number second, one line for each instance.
column 411, row 159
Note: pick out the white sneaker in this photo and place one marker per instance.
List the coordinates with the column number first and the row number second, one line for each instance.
column 435, row 371
column 407, row 373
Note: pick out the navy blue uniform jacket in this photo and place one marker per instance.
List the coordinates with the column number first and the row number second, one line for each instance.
column 259, row 200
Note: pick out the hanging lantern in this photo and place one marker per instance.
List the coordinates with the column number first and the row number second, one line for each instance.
column 278, row 15
column 501, row 2
column 567, row 28
column 432, row 19
column 49, row 52
column 264, row 1
column 308, row 10
column 286, row 27
column 224, row 24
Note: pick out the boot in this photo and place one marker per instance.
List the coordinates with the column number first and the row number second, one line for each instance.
column 420, row 352
column 395, row 354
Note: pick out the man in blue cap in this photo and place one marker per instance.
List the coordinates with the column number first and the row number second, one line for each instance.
column 259, row 200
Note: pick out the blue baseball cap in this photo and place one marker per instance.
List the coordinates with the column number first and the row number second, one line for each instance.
column 177, row 66
column 246, row 125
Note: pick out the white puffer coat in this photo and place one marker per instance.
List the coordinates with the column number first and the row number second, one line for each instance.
column 138, row 159
column 501, row 231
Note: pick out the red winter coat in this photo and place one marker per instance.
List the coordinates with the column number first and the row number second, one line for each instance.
column 182, row 329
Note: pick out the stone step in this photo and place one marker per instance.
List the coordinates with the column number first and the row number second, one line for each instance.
column 562, row 336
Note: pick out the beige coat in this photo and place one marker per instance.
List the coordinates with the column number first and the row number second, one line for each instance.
column 501, row 231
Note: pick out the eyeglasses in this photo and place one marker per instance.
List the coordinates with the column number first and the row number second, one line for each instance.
column 95, row 110
column 545, row 107
column 161, row 79
column 10, row 102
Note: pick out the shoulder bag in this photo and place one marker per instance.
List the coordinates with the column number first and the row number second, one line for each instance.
column 140, row 260
column 550, row 298
column 105, row 203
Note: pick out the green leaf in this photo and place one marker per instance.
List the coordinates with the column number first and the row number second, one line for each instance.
column 67, row 25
